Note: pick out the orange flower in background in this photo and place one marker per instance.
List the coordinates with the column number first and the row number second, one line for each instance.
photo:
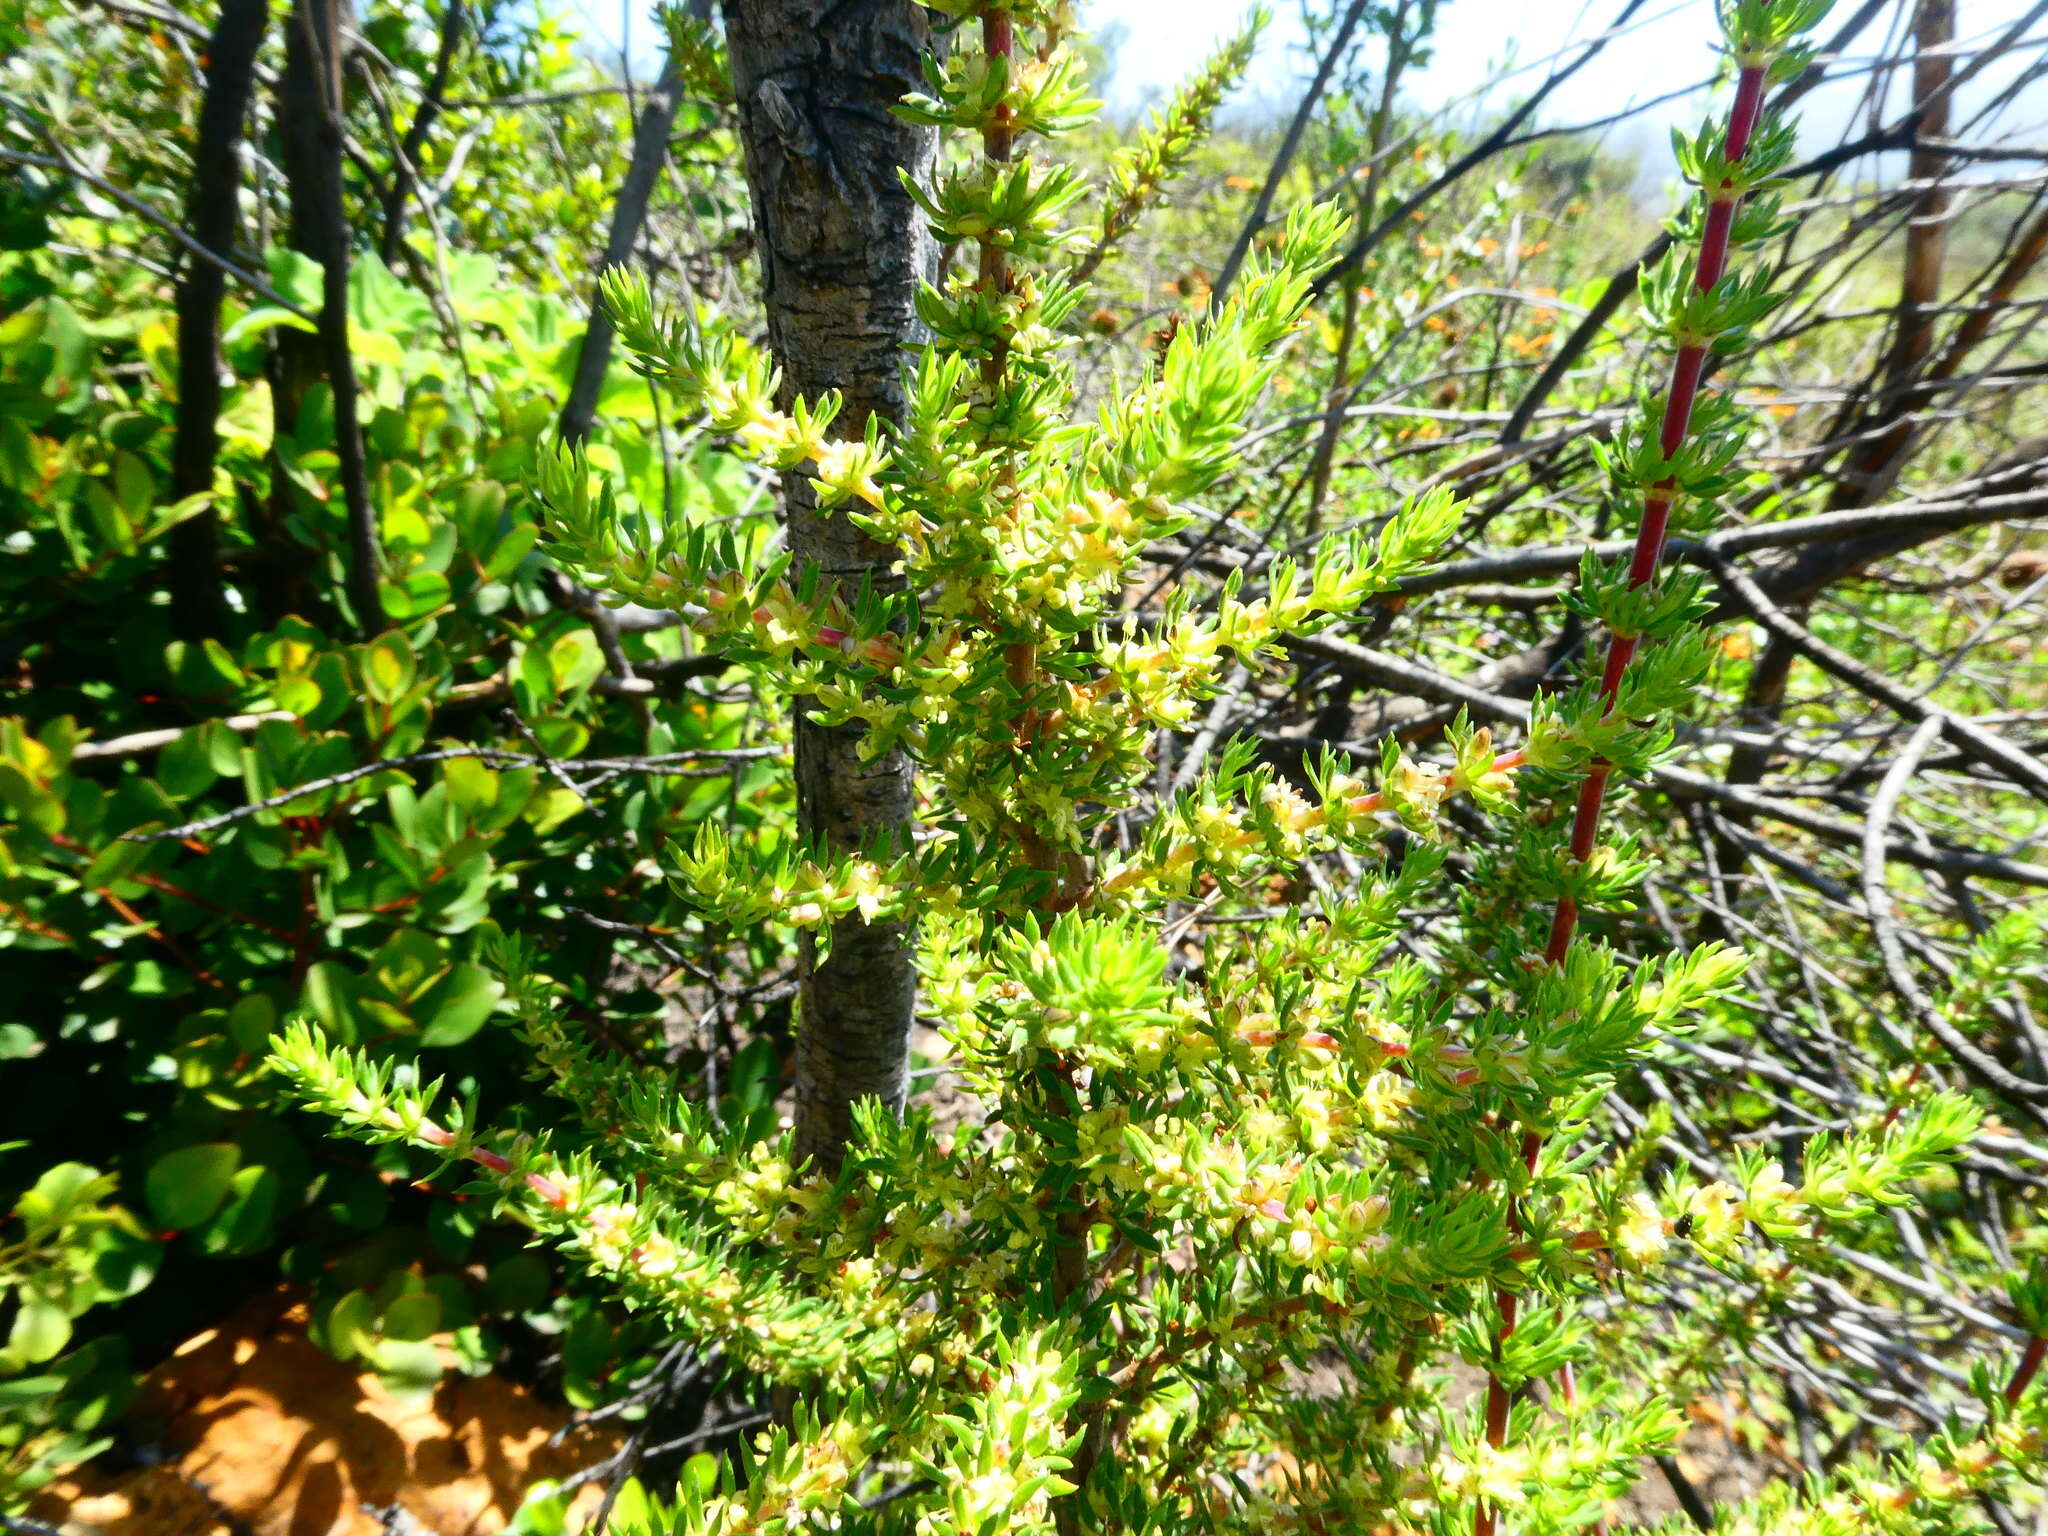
column 1240, row 183
column 1737, row 646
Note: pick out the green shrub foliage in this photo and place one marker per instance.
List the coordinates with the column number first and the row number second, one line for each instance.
column 353, row 816
column 1239, row 1222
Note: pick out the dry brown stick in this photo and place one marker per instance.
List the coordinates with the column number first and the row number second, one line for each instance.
column 1284, row 155
column 1477, row 155
column 311, row 137
column 629, row 215
column 66, row 166
column 1951, row 510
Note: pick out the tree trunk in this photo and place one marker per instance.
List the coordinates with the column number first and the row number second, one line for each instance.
column 309, row 115
column 210, row 218
column 843, row 248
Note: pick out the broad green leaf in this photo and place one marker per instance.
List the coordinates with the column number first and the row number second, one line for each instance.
column 388, row 668
column 410, row 1369
column 33, row 804
column 351, row 1325
column 60, row 1191
column 551, row 807
column 331, row 994
column 247, row 1222
column 185, row 768
column 472, row 784
column 187, row 1186
column 252, row 1021
column 418, row 594
column 114, row 863
column 134, row 488
column 414, row 1316
column 517, row 1284
column 262, row 319
column 458, row 1005
column 40, row 1332
column 298, row 277
column 575, row 661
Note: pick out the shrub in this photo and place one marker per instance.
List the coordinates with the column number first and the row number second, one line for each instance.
column 1236, row 1209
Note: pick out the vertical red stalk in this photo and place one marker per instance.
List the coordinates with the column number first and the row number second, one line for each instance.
column 1681, row 395
column 1687, row 367
column 2023, row 1374
column 998, row 42
column 997, row 142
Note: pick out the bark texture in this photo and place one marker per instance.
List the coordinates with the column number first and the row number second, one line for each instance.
column 842, row 248
column 211, row 204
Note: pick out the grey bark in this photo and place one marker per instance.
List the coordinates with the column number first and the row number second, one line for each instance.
column 842, row 249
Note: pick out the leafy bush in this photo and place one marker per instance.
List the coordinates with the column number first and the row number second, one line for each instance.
column 1233, row 1214
column 1323, row 1143
column 204, row 834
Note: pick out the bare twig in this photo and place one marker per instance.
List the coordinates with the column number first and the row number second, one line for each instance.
column 1884, row 928
column 671, row 764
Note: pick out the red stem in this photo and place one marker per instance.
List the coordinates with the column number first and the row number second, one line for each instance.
column 2023, row 1374
column 1687, row 368
column 440, row 1136
column 998, row 43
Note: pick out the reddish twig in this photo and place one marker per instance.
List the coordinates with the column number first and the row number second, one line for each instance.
column 1681, row 395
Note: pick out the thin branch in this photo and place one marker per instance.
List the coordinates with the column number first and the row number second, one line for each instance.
column 66, row 166
column 670, row 764
column 1884, row 928
column 1966, row 735
column 432, row 101
column 650, row 148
